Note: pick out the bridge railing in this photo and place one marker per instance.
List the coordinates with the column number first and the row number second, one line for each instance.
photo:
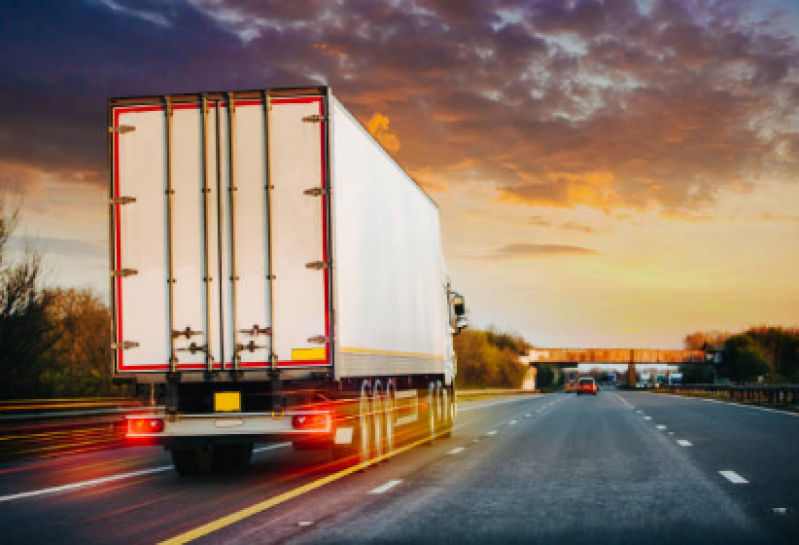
column 777, row 394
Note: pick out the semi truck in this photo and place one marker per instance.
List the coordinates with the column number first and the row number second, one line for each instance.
column 277, row 276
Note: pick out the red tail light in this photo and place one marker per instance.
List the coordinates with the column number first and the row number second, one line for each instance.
column 310, row 422
column 145, row 425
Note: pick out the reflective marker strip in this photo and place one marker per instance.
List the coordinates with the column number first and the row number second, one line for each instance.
column 733, row 477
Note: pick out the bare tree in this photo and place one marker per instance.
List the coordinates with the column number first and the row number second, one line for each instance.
column 25, row 332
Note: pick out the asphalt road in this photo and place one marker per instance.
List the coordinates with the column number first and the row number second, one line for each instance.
column 620, row 467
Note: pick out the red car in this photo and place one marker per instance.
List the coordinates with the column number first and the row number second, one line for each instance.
column 587, row 386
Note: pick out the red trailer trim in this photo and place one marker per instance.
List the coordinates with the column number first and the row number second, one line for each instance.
column 121, row 367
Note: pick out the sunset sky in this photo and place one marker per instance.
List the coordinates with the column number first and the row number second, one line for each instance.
column 616, row 173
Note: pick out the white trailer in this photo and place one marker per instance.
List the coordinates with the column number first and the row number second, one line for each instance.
column 276, row 274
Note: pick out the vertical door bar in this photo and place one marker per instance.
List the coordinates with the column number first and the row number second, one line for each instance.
column 209, row 356
column 170, row 192
column 112, row 229
column 219, row 217
column 233, row 274
column 270, row 227
column 327, row 203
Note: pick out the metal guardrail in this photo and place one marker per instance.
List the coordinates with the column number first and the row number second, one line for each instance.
column 40, row 428
column 776, row 394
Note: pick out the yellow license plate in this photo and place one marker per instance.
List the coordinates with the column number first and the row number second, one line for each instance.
column 227, row 402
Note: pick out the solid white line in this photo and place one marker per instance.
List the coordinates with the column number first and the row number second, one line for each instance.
column 109, row 479
column 386, row 487
column 456, row 450
column 733, row 477
column 684, row 443
column 83, row 484
column 501, row 402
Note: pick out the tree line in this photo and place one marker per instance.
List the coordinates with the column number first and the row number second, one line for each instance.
column 54, row 342
column 770, row 352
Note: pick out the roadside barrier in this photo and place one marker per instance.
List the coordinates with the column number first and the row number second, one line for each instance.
column 786, row 395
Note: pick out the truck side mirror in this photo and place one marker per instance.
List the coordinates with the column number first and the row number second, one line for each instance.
column 459, row 305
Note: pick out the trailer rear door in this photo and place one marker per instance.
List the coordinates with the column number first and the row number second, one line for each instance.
column 219, row 221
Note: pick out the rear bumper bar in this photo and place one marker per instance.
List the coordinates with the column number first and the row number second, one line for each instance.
column 235, row 424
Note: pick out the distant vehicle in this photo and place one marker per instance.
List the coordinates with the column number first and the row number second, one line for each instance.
column 611, row 378
column 675, row 378
column 587, row 385
column 570, row 378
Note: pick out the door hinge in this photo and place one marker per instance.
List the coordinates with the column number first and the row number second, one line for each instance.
column 255, row 331
column 121, row 129
column 315, row 118
column 319, row 339
column 124, row 272
column 188, row 333
column 123, row 200
column 250, row 347
column 318, row 265
column 316, row 192
column 193, row 348
column 124, row 345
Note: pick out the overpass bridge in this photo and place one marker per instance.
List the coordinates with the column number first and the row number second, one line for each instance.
column 628, row 356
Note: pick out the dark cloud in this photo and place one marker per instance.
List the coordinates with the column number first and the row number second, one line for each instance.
column 605, row 104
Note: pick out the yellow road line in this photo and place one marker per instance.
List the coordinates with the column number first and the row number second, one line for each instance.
column 238, row 516
column 348, row 350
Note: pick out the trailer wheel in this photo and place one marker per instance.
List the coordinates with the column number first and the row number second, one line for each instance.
column 229, row 458
column 364, row 424
column 432, row 401
column 378, row 419
column 448, row 408
column 391, row 416
column 193, row 461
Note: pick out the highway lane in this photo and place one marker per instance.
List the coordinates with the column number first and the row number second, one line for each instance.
column 154, row 503
column 545, row 468
column 759, row 445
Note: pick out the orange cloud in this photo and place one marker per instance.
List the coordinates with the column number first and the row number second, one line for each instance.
column 378, row 126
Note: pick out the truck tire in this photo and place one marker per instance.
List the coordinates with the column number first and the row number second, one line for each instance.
column 378, row 420
column 364, row 424
column 391, row 416
column 432, row 401
column 230, row 458
column 193, row 461
column 448, row 406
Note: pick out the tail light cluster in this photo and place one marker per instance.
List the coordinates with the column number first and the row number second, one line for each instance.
column 145, row 425
column 310, row 422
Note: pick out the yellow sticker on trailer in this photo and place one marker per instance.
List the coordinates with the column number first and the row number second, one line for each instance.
column 227, row 402
column 302, row 354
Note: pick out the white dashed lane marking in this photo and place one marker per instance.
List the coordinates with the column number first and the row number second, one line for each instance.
column 513, row 422
column 492, row 432
column 733, row 477
column 661, row 427
column 386, row 487
column 456, row 450
column 684, row 443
